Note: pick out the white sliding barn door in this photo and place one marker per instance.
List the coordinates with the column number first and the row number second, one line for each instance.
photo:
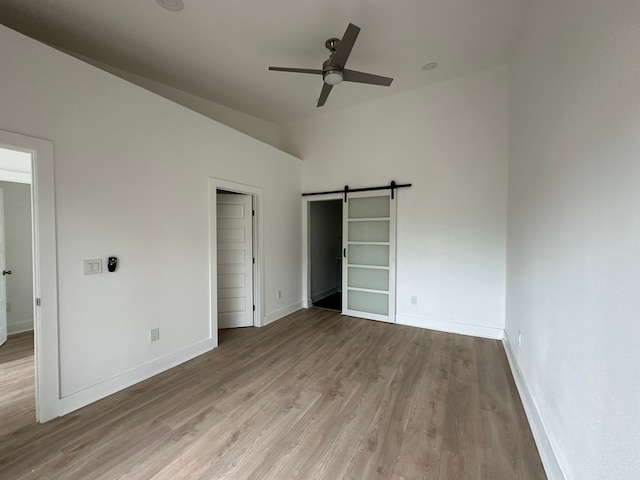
column 235, row 260
column 369, row 251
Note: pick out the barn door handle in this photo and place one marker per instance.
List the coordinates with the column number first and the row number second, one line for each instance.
column 6, row 272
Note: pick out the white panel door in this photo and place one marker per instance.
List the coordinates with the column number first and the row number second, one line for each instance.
column 3, row 278
column 235, row 260
column 369, row 269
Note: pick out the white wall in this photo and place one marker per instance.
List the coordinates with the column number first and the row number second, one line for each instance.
column 254, row 127
column 325, row 224
column 574, row 230
column 131, row 179
column 450, row 141
column 17, row 238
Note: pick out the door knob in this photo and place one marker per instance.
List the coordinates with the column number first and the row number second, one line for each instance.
column 6, row 272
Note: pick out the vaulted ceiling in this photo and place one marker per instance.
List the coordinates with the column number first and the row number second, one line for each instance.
column 221, row 49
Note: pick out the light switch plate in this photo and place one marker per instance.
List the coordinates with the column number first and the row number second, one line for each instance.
column 92, row 267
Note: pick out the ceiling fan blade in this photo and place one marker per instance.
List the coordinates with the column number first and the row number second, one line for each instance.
column 341, row 55
column 361, row 77
column 314, row 71
column 326, row 88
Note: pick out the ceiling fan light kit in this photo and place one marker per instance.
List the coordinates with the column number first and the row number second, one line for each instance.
column 332, row 77
column 333, row 71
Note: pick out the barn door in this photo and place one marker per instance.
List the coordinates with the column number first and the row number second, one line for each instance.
column 369, row 251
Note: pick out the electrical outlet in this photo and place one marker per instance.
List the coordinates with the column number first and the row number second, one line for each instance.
column 279, row 294
column 155, row 334
column 414, row 300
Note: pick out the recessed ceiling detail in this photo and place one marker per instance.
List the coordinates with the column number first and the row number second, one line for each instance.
column 429, row 66
column 172, row 5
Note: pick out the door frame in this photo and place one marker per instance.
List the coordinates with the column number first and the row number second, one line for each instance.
column 45, row 286
column 258, row 234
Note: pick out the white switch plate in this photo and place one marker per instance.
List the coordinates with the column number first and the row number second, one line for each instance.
column 414, row 300
column 92, row 267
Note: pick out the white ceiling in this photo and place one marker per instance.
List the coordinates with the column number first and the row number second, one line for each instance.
column 220, row 49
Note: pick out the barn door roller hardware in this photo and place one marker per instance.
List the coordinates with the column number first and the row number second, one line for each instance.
column 346, row 190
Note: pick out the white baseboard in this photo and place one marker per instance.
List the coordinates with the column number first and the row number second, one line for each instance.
column 450, row 327
column 545, row 448
column 281, row 312
column 84, row 397
column 324, row 293
column 19, row 327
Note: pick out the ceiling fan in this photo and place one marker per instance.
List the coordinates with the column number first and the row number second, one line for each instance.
column 333, row 71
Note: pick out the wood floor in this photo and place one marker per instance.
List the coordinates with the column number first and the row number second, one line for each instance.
column 17, row 385
column 312, row 396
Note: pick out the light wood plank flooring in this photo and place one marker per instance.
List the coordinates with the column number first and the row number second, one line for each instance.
column 17, row 385
column 312, row 396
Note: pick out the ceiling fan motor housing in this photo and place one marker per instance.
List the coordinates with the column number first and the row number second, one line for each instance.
column 332, row 44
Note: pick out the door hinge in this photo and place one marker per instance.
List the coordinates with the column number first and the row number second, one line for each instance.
column 37, row 302
column 254, row 260
column 254, row 308
column 253, row 213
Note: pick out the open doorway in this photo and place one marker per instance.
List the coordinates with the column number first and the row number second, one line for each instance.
column 29, row 161
column 367, row 254
column 16, row 288
column 16, row 244
column 325, row 253
column 236, row 236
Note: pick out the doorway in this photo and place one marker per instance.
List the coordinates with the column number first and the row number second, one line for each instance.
column 367, row 254
column 218, row 251
column 16, row 247
column 30, row 160
column 325, row 245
